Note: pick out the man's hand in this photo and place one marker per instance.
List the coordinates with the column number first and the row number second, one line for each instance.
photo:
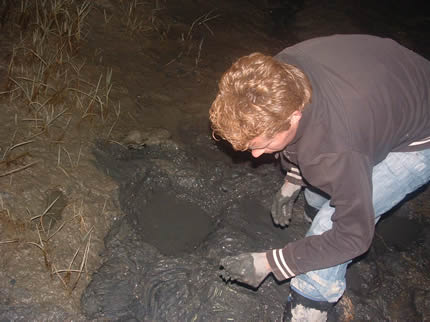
column 248, row 268
column 282, row 206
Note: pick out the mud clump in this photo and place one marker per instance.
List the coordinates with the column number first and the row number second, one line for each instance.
column 173, row 225
column 162, row 258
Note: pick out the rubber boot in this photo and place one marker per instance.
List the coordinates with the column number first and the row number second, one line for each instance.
column 302, row 309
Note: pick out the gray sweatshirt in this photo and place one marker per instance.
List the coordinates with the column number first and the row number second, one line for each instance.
column 370, row 97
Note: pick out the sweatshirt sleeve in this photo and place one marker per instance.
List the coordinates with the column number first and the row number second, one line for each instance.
column 293, row 173
column 346, row 177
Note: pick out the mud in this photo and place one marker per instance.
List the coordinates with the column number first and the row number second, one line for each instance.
column 142, row 280
column 171, row 224
column 240, row 268
column 389, row 282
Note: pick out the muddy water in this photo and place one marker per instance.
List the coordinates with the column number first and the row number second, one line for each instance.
column 173, row 225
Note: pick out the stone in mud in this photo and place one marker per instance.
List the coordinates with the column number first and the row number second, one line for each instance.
column 150, row 136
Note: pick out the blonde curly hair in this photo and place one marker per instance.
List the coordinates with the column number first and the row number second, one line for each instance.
column 257, row 94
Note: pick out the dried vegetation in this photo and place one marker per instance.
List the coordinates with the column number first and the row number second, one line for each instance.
column 45, row 76
column 55, row 104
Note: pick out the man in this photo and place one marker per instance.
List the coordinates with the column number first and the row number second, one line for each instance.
column 349, row 115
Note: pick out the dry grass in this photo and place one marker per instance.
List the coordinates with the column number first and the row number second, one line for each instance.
column 44, row 72
column 132, row 18
column 71, row 275
column 45, row 78
column 189, row 45
column 65, row 275
column 139, row 17
column 53, row 99
column 143, row 17
column 7, row 173
column 201, row 21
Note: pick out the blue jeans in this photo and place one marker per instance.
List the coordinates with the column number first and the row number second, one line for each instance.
column 398, row 175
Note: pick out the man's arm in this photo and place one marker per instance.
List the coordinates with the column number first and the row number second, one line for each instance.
column 347, row 179
column 285, row 197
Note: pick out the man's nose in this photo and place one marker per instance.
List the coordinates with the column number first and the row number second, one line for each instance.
column 257, row 152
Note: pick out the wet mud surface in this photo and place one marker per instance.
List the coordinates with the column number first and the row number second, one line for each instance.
column 142, row 280
column 171, row 224
column 390, row 281
column 162, row 202
column 148, row 280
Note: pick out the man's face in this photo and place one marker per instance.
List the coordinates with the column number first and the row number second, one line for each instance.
column 278, row 142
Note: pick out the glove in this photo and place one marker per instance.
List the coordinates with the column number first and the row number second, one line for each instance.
column 282, row 206
column 248, row 268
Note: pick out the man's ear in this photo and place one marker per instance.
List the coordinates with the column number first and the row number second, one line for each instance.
column 295, row 117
